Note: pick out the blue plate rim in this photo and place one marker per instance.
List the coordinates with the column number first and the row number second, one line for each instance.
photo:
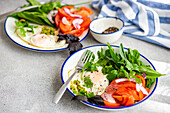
column 110, row 108
column 38, row 50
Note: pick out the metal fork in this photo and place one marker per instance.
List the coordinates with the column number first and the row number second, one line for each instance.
column 87, row 55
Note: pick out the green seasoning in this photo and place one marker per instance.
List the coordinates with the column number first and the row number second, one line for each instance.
column 87, row 82
column 21, row 24
column 79, row 90
column 48, row 30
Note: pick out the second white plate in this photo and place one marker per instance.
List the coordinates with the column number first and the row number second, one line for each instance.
column 9, row 27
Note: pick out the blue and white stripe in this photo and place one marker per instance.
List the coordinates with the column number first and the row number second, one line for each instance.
column 146, row 20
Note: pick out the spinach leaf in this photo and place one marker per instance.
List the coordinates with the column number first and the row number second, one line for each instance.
column 47, row 7
column 35, row 17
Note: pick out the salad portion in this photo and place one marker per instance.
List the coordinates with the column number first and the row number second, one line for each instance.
column 46, row 25
column 114, row 79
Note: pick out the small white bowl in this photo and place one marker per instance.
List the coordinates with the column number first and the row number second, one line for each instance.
column 98, row 25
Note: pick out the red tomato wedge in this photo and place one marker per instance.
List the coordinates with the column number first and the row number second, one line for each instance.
column 109, row 104
column 86, row 22
column 84, row 12
column 141, row 96
column 68, row 7
column 66, row 28
column 76, row 32
column 62, row 13
column 57, row 20
column 124, row 92
column 69, row 28
column 130, row 101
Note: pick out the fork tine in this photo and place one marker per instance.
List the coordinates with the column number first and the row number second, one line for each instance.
column 83, row 56
column 89, row 57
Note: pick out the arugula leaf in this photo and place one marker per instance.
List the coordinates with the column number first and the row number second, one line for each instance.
column 150, row 73
column 112, row 75
column 107, row 69
column 87, row 82
column 113, row 55
column 33, row 2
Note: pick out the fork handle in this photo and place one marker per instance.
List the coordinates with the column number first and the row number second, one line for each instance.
column 61, row 91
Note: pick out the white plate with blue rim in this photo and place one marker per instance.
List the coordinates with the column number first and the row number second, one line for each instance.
column 9, row 27
column 72, row 60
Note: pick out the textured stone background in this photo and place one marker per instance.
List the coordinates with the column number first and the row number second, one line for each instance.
column 29, row 80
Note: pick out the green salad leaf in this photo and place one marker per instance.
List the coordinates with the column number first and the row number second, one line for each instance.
column 24, row 24
column 87, row 82
column 33, row 2
column 123, row 64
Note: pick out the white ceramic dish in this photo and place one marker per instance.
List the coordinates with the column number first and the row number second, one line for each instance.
column 71, row 62
column 98, row 25
column 10, row 29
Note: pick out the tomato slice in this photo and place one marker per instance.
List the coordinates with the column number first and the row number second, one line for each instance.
column 125, row 99
column 130, row 101
column 118, row 98
column 68, row 7
column 134, row 94
column 66, row 28
column 76, row 32
column 86, row 22
column 147, row 89
column 84, row 12
column 141, row 96
column 57, row 20
column 142, row 79
column 62, row 13
column 109, row 104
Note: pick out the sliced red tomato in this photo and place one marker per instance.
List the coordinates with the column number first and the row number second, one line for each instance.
column 130, row 101
column 57, row 20
column 66, row 28
column 134, row 94
column 141, row 96
column 68, row 7
column 86, row 22
column 84, row 12
column 76, row 32
column 142, row 79
column 62, row 13
column 147, row 89
column 109, row 104
column 125, row 99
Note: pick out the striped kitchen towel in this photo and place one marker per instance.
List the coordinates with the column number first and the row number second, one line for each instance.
column 147, row 20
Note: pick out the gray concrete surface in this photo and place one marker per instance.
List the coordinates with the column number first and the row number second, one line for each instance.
column 29, row 80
